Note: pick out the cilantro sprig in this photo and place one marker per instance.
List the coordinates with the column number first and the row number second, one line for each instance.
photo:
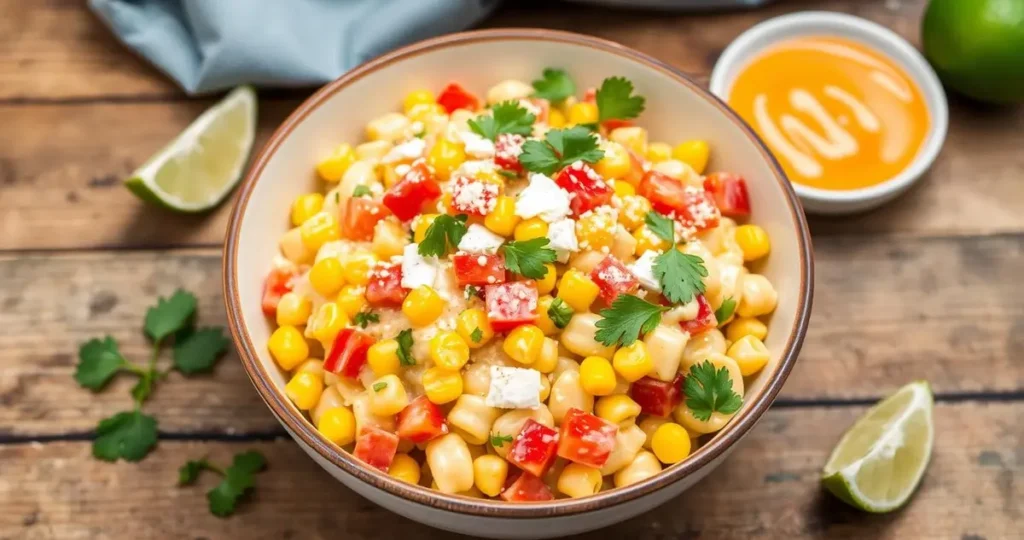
column 626, row 319
column 507, row 117
column 662, row 226
column 681, row 275
column 615, row 100
column 498, row 440
column 528, row 257
column 709, row 391
column 236, row 481
column 560, row 148
column 362, row 191
column 477, row 335
column 364, row 318
column 555, row 85
column 443, row 232
column 559, row 312
column 405, row 342
column 725, row 310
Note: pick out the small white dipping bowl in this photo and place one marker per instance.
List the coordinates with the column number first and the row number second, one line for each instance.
column 819, row 23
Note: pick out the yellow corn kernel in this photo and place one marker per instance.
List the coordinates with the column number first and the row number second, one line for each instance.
column 328, row 321
column 356, row 266
column 304, row 389
column 326, row 276
column 421, row 223
column 423, row 306
column 489, row 473
column 334, row 166
column 634, row 211
column 623, row 188
column 530, row 229
column 546, row 284
column 293, row 309
column 449, row 350
column 583, row 112
column 616, row 162
column 579, row 480
column 648, row 241
column 693, row 153
column 420, row 96
column 544, row 321
column 422, row 112
column 405, row 468
column 338, row 425
column 288, row 347
column 467, row 324
column 441, row 385
column 351, row 300
column 658, row 151
column 617, row 408
column 577, row 289
column 597, row 376
column 305, row 207
column 445, row 157
column 318, row 230
column 389, row 239
column 383, row 357
column 547, row 360
column 524, row 343
column 596, row 231
column 750, row 354
column 670, row 443
column 387, row 396
column 743, row 326
column 632, row 137
column 556, row 119
column 503, row 219
column 753, row 240
column 633, row 362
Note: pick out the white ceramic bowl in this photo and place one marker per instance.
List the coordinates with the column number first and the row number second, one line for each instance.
column 821, row 23
column 678, row 109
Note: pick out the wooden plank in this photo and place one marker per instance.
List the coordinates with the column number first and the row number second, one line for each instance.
column 767, row 489
column 886, row 312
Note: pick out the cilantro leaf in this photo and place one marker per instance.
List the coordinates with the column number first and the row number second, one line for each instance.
column 199, row 350
column 627, row 318
column 444, row 231
column 189, row 472
column 555, row 86
column 362, row 191
column 725, row 310
column 377, row 387
column 127, row 435
column 363, row 318
column 680, row 274
column 476, row 335
column 238, row 480
column 471, row 291
column 614, row 100
column 560, row 148
column 98, row 361
column 508, row 174
column 404, row 340
column 507, row 117
column 498, row 440
column 559, row 312
column 170, row 315
column 709, row 391
column 662, row 226
column 528, row 257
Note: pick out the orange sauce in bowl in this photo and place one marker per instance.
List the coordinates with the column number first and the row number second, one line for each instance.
column 837, row 115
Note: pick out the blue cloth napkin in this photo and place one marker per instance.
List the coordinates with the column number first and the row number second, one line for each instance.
column 210, row 45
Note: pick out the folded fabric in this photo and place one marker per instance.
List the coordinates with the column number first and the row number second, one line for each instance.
column 210, row 45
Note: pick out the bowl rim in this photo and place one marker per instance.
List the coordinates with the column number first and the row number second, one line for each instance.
column 301, row 429
column 872, row 34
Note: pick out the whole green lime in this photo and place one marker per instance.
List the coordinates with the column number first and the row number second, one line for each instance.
column 977, row 47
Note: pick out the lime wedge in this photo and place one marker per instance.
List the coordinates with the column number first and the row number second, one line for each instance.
column 200, row 166
column 879, row 462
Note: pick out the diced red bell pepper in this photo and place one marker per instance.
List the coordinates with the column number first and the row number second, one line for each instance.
column 526, row 488
column 376, row 447
column 278, row 282
column 421, row 421
column 691, row 206
column 471, row 269
column 507, row 148
column 705, row 318
column 511, row 304
column 613, row 278
column 586, row 439
column 454, row 97
column 533, row 449
column 385, row 286
column 730, row 194
column 657, row 397
column 473, row 197
column 361, row 215
column 416, row 188
column 348, row 352
column 587, row 189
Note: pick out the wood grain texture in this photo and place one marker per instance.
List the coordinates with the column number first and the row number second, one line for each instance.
column 886, row 312
column 768, row 488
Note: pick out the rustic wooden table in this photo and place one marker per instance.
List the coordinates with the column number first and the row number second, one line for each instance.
column 925, row 288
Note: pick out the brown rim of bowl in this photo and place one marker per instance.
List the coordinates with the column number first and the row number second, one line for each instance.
column 301, row 428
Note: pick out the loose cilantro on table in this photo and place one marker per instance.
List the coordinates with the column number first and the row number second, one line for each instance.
column 507, row 117
column 559, row 312
column 362, row 191
column 554, row 86
column 725, row 310
column 709, row 391
column 626, row 319
column 198, row 350
column 476, row 335
column 363, row 318
column 127, row 435
column 237, row 480
column 614, row 100
column 528, row 257
column 405, row 341
column 680, row 274
column 498, row 440
column 560, row 148
column 662, row 226
column 443, row 232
